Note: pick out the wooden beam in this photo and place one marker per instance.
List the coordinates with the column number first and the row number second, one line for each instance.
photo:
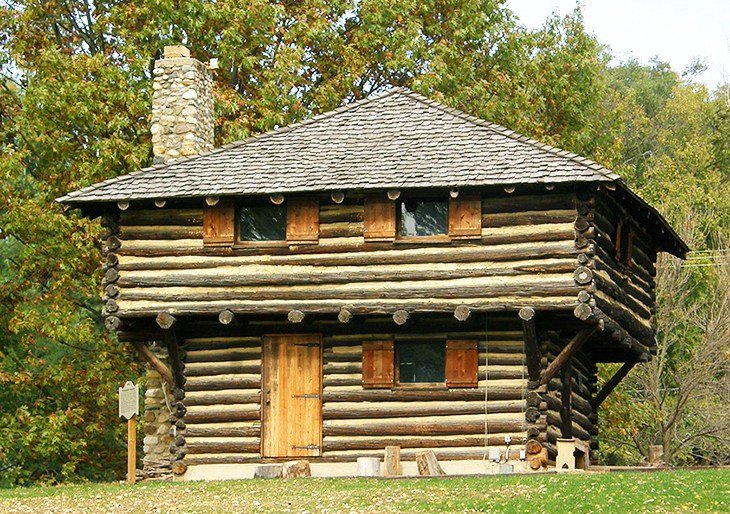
column 566, row 391
column 462, row 312
column 344, row 315
column 532, row 349
column 154, row 361
column 609, row 386
column 564, row 356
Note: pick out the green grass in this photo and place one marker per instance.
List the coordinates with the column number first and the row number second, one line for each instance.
column 666, row 491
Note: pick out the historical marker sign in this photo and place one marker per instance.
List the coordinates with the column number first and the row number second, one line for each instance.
column 128, row 401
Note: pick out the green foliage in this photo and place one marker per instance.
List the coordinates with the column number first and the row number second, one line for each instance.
column 74, row 102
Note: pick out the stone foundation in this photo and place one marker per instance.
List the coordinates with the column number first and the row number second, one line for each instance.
column 157, row 438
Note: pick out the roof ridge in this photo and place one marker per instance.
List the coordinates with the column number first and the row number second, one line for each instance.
column 236, row 144
column 512, row 134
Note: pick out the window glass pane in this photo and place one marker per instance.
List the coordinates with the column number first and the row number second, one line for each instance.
column 262, row 223
column 421, row 362
column 423, row 217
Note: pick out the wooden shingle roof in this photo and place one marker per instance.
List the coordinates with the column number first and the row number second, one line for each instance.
column 397, row 139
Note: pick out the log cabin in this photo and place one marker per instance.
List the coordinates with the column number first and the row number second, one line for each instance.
column 391, row 273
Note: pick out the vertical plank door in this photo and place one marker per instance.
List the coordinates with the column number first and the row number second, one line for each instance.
column 292, row 396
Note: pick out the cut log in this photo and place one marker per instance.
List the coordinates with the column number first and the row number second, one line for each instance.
column 179, row 467
column 165, row 320
column 462, row 312
column 392, row 461
column 428, row 464
column 400, row 317
column 113, row 323
column 160, row 203
column 277, row 199
column 344, row 315
column 295, row 316
column 338, row 197
column 226, row 317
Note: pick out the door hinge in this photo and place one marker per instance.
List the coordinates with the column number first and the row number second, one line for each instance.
column 307, row 447
column 305, row 396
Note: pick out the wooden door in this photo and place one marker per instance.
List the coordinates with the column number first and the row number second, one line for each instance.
column 292, row 396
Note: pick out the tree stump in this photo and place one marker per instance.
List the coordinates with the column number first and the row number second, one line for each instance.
column 297, row 468
column 368, row 467
column 428, row 464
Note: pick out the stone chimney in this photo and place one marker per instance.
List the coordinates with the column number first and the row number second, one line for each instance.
column 182, row 106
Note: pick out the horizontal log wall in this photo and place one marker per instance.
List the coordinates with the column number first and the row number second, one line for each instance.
column 526, row 254
column 222, row 398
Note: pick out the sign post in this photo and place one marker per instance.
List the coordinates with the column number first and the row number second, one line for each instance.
column 129, row 409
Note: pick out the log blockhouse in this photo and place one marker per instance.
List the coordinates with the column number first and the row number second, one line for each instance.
column 392, row 273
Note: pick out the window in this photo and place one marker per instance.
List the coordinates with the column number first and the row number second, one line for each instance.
column 453, row 363
column 262, row 222
column 421, row 362
column 419, row 218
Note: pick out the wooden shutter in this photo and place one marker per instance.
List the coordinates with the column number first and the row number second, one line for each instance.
column 377, row 364
column 465, row 216
column 218, row 223
column 302, row 221
column 462, row 363
column 379, row 218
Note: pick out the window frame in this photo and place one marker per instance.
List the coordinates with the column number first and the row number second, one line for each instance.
column 238, row 242
column 431, row 238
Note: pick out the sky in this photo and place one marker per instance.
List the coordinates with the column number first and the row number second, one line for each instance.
column 674, row 30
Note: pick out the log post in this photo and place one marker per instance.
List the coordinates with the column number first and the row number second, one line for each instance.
column 611, row 384
column 566, row 390
column 174, row 352
column 564, row 356
column 532, row 349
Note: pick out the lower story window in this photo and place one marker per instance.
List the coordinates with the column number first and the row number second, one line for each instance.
column 421, row 362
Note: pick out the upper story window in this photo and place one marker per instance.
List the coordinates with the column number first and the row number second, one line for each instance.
column 430, row 219
column 262, row 223
column 419, row 218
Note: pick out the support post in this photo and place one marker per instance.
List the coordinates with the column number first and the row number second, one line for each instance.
column 564, row 356
column 532, row 349
column 132, row 450
column 566, row 415
column 609, row 386
column 174, row 351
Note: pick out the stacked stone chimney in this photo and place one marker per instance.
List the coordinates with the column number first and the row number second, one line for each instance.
column 182, row 106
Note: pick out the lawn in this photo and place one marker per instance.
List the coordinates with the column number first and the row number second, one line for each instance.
column 665, row 491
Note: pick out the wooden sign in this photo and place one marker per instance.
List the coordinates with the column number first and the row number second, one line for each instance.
column 128, row 401
column 129, row 410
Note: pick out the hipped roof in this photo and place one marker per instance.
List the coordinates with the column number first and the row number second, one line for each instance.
column 393, row 140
